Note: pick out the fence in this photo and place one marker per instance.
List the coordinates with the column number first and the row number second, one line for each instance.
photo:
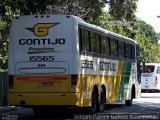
column 3, row 88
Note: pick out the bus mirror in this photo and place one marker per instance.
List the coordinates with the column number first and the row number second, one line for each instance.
column 142, row 66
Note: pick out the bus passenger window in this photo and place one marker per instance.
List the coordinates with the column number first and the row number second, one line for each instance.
column 103, row 45
column 107, row 45
column 88, row 47
column 128, row 50
column 113, row 46
column 133, row 51
column 121, row 49
column 81, row 40
column 93, row 42
column 97, row 43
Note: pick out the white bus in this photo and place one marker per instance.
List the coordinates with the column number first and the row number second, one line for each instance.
column 151, row 78
column 60, row 60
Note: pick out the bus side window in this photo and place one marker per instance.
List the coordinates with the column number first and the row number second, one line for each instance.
column 81, row 40
column 97, row 43
column 158, row 70
column 103, row 45
column 121, row 49
column 113, row 46
column 133, row 51
column 88, row 45
column 93, row 42
column 108, row 45
column 128, row 50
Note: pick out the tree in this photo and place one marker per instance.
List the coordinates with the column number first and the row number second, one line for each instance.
column 148, row 41
column 5, row 20
column 145, row 35
column 107, row 22
column 124, row 10
column 87, row 10
column 3, row 57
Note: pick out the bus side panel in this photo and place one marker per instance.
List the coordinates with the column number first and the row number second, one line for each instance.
column 117, row 86
column 124, row 81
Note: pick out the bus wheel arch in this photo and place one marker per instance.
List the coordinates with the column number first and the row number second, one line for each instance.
column 133, row 91
column 129, row 102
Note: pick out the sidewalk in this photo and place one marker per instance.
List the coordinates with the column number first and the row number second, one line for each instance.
column 5, row 109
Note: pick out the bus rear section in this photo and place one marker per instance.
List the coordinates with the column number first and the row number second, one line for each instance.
column 40, row 60
column 151, row 78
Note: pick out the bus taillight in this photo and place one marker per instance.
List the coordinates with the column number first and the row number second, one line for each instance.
column 156, row 80
column 74, row 79
column 11, row 82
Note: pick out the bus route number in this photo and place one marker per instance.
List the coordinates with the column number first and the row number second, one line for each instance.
column 41, row 58
column 87, row 64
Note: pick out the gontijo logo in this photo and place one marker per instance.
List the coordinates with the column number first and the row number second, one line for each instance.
column 41, row 29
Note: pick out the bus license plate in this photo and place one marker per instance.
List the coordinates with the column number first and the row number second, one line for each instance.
column 47, row 84
column 147, row 86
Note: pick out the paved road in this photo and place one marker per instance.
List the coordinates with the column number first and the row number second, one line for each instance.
column 147, row 107
column 149, row 103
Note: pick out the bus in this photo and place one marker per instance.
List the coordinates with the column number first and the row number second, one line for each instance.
column 63, row 61
column 150, row 78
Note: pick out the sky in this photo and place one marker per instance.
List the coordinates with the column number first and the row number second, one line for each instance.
column 148, row 10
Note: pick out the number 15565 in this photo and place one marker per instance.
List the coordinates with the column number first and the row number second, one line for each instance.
column 41, row 58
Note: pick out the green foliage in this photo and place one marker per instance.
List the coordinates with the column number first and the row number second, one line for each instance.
column 124, row 11
column 108, row 22
column 3, row 57
column 144, row 34
column 148, row 42
column 7, row 15
column 120, row 19
column 88, row 10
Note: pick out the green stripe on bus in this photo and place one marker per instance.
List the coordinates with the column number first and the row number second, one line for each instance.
column 124, row 80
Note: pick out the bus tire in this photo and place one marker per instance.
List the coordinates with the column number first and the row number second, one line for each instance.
column 94, row 100
column 129, row 102
column 102, row 101
column 43, row 111
column 38, row 111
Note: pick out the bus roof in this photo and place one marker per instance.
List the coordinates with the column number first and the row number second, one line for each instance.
column 152, row 64
column 84, row 23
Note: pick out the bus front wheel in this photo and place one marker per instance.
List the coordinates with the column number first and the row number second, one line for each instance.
column 129, row 102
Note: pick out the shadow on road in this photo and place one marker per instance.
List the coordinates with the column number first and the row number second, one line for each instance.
column 71, row 113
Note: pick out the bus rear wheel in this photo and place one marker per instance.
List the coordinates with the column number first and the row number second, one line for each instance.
column 94, row 100
column 45, row 110
column 38, row 111
column 101, row 100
